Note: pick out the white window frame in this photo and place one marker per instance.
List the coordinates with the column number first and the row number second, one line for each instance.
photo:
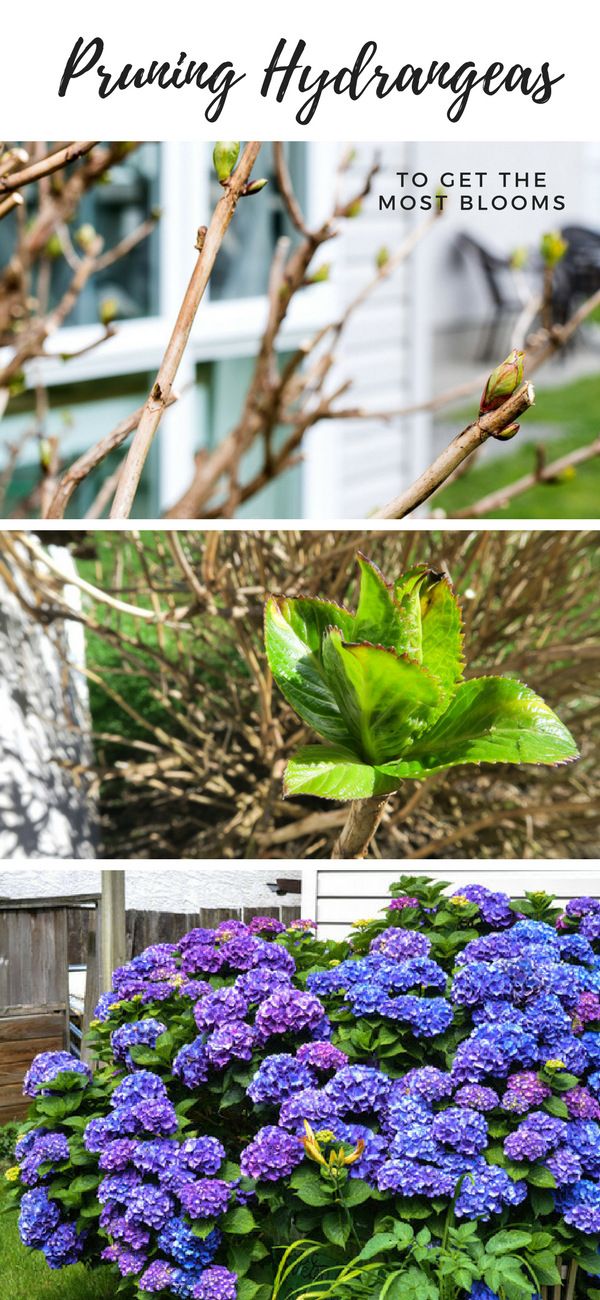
column 225, row 329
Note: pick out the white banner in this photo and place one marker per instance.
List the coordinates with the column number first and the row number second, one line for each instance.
column 320, row 71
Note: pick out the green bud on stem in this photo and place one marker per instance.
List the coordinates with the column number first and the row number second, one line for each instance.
column 503, row 382
column 225, row 156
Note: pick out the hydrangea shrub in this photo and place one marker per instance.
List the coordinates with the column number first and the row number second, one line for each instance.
column 413, row 1113
column 384, row 687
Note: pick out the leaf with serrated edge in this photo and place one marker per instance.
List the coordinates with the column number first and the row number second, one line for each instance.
column 309, row 617
column 329, row 772
column 490, row 720
column 300, row 678
column 384, row 699
column 377, row 618
column 442, row 634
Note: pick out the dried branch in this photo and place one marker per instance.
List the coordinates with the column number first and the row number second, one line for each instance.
column 79, row 470
column 543, row 474
column 209, row 243
column 46, row 166
column 491, row 425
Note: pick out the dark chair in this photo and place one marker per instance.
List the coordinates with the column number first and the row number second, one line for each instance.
column 499, row 279
column 577, row 275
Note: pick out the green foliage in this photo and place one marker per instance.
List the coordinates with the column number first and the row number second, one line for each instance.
column 384, row 688
column 8, row 1137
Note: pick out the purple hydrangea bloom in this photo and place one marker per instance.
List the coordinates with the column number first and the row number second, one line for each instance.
column 155, row 1116
column 321, row 1056
column 535, row 1137
column 581, row 1206
column 117, row 1155
column 156, row 1157
column 584, row 1138
column 149, row 1205
column 524, row 1091
column 427, row 1082
column 191, row 1064
column 581, row 1104
column 39, row 1217
column 279, row 1077
column 119, row 1187
column 216, row 1283
column 590, row 927
column 141, row 1086
column 578, row 907
column 275, row 957
column 266, row 925
column 311, row 1104
column 288, row 1010
column 356, row 1089
column 158, row 1277
column 565, row 1166
column 231, row 1042
column 139, row 1032
column 477, row 1097
column 128, row 1261
column 202, row 1155
column 47, row 1148
column 399, row 904
column 427, row 1017
column 401, row 944
column 258, row 983
column 46, row 1067
column 486, row 1191
column 463, row 1130
column 220, row 1007
column 494, row 907
column 104, row 1005
column 178, row 1241
column 492, row 1050
column 272, row 1154
column 115, row 1223
column 482, row 981
column 205, row 1198
column 65, row 1246
column 411, row 1178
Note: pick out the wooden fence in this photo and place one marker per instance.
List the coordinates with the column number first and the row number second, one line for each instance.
column 40, row 940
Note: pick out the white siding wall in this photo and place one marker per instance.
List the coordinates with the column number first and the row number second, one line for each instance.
column 456, row 290
column 354, row 466
column 337, row 896
column 157, row 887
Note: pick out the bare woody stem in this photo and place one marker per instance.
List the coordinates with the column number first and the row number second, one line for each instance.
column 209, row 244
column 361, row 823
column 545, row 474
column 46, row 166
column 456, row 452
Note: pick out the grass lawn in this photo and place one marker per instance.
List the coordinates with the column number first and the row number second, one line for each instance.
column 24, row 1274
column 575, row 409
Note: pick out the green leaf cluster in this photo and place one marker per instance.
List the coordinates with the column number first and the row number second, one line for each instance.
column 384, row 687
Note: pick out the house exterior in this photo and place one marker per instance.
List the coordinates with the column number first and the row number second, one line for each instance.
column 337, row 896
column 347, row 469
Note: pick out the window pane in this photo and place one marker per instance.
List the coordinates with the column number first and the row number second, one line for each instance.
column 114, row 208
column 242, row 266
